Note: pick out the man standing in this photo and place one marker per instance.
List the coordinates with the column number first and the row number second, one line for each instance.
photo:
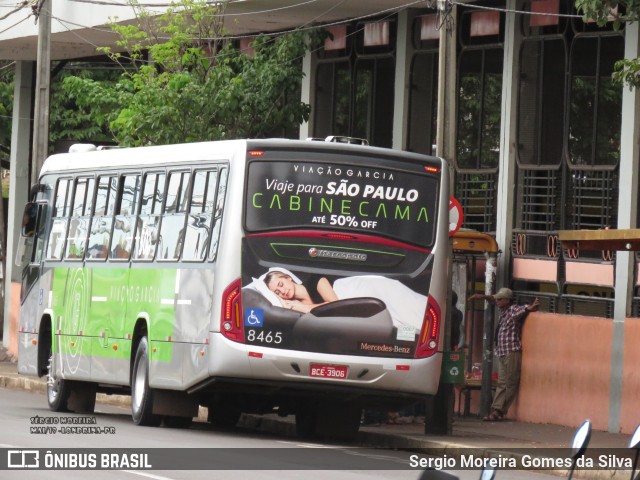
column 508, row 348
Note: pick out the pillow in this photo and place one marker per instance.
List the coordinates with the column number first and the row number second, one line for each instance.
column 281, row 270
column 261, row 287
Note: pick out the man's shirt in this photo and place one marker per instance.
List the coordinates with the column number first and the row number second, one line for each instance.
column 508, row 337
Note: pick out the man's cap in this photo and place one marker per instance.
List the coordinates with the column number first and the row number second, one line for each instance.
column 504, row 293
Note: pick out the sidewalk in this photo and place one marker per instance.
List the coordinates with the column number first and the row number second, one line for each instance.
column 470, row 433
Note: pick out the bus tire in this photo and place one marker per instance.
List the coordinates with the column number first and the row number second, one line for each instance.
column 82, row 396
column 329, row 421
column 58, row 390
column 141, row 394
column 223, row 416
column 306, row 421
column 171, row 421
column 339, row 421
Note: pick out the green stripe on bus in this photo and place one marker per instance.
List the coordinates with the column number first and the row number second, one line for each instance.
column 96, row 309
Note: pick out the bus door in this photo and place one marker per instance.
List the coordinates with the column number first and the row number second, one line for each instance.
column 29, row 257
column 31, row 248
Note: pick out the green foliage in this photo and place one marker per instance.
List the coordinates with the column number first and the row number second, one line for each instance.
column 618, row 12
column 197, row 86
column 479, row 104
column 69, row 120
column 6, row 108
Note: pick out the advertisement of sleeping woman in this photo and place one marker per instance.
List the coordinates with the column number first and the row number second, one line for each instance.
column 358, row 315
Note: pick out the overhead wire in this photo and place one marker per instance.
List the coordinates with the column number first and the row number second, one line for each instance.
column 305, row 27
column 238, row 14
column 16, row 24
column 16, row 8
column 280, row 32
column 149, row 4
column 8, row 65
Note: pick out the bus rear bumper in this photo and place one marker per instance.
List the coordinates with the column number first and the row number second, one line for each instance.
column 269, row 371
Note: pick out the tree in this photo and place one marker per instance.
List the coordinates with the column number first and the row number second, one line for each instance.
column 6, row 108
column 69, row 123
column 182, row 81
column 619, row 12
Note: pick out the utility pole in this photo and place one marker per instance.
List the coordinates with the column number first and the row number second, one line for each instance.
column 439, row 409
column 40, row 148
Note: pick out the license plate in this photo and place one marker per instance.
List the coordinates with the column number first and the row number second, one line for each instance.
column 328, row 371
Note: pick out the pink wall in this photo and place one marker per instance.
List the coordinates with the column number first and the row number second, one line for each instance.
column 630, row 414
column 566, row 371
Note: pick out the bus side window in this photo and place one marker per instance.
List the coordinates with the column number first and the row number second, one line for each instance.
column 172, row 229
column 217, row 219
column 125, row 219
column 61, row 209
column 102, row 219
column 203, row 195
column 148, row 225
column 80, row 218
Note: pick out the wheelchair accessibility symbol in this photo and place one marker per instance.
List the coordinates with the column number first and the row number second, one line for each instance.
column 254, row 317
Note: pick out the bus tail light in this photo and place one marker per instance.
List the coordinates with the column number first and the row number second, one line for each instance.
column 231, row 324
column 428, row 341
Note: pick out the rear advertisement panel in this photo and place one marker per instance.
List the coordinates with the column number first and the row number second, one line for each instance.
column 325, row 294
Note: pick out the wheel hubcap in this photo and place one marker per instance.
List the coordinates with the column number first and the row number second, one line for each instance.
column 53, row 384
column 139, row 385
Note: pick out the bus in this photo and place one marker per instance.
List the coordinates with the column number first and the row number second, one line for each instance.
column 297, row 277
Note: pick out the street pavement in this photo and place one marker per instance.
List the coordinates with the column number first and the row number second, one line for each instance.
column 470, row 434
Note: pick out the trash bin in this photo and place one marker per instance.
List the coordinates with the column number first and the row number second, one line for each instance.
column 453, row 364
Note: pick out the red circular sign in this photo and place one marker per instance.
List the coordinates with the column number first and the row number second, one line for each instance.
column 456, row 216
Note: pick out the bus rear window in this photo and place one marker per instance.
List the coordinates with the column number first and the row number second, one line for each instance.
column 285, row 195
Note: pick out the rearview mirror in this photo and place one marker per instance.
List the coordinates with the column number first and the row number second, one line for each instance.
column 488, row 474
column 635, row 438
column 29, row 219
column 581, row 440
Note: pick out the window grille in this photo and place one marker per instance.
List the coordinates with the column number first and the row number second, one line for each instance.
column 592, row 199
column 477, row 194
column 589, row 306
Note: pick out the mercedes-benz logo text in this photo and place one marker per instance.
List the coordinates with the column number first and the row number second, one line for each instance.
column 320, row 253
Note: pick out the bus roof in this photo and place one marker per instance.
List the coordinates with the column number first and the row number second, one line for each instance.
column 190, row 152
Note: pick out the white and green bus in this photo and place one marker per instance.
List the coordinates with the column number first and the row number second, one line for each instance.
column 247, row 276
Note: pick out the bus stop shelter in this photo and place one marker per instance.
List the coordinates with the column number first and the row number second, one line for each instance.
column 471, row 251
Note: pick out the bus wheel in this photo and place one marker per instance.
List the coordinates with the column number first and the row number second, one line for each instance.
column 141, row 394
column 171, row 421
column 306, row 420
column 58, row 390
column 82, row 396
column 339, row 421
column 223, row 415
column 331, row 420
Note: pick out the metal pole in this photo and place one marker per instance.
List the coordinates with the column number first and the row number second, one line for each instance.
column 40, row 148
column 472, row 331
column 487, row 337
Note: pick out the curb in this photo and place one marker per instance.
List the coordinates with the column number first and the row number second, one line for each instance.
column 33, row 384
